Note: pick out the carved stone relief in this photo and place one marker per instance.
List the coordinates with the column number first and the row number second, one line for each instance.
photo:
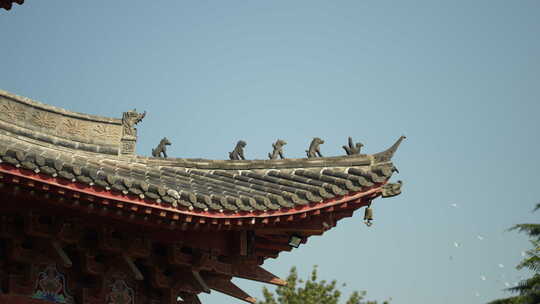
column 48, row 123
column 13, row 111
column 128, row 146
column 106, row 132
column 74, row 127
column 44, row 120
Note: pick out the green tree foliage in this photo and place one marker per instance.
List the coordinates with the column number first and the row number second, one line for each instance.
column 311, row 292
column 528, row 290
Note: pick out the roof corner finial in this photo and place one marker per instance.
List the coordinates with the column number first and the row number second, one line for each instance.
column 386, row 155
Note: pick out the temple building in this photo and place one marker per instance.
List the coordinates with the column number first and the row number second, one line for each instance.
column 85, row 220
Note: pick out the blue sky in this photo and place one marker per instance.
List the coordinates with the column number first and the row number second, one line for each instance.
column 459, row 78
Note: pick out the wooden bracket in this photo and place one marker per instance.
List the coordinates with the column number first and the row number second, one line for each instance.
column 257, row 273
column 136, row 272
column 224, row 285
column 66, row 261
column 199, row 279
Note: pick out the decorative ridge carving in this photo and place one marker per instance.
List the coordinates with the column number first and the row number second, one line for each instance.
column 387, row 155
column 129, row 120
column 51, row 125
column 129, row 132
column 49, row 108
column 40, row 138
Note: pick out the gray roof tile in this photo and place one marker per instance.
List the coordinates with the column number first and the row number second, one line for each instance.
column 197, row 184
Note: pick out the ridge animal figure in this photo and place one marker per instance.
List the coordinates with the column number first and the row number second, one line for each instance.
column 314, row 150
column 161, row 148
column 278, row 149
column 353, row 149
column 238, row 152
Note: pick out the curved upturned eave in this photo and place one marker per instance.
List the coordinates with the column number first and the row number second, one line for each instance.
column 26, row 178
column 41, row 144
column 239, row 187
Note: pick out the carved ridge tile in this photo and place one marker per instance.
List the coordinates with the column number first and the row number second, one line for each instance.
column 106, row 132
column 74, row 127
column 44, row 120
column 13, row 111
column 128, row 146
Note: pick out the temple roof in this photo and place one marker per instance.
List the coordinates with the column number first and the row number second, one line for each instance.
column 208, row 220
column 97, row 154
